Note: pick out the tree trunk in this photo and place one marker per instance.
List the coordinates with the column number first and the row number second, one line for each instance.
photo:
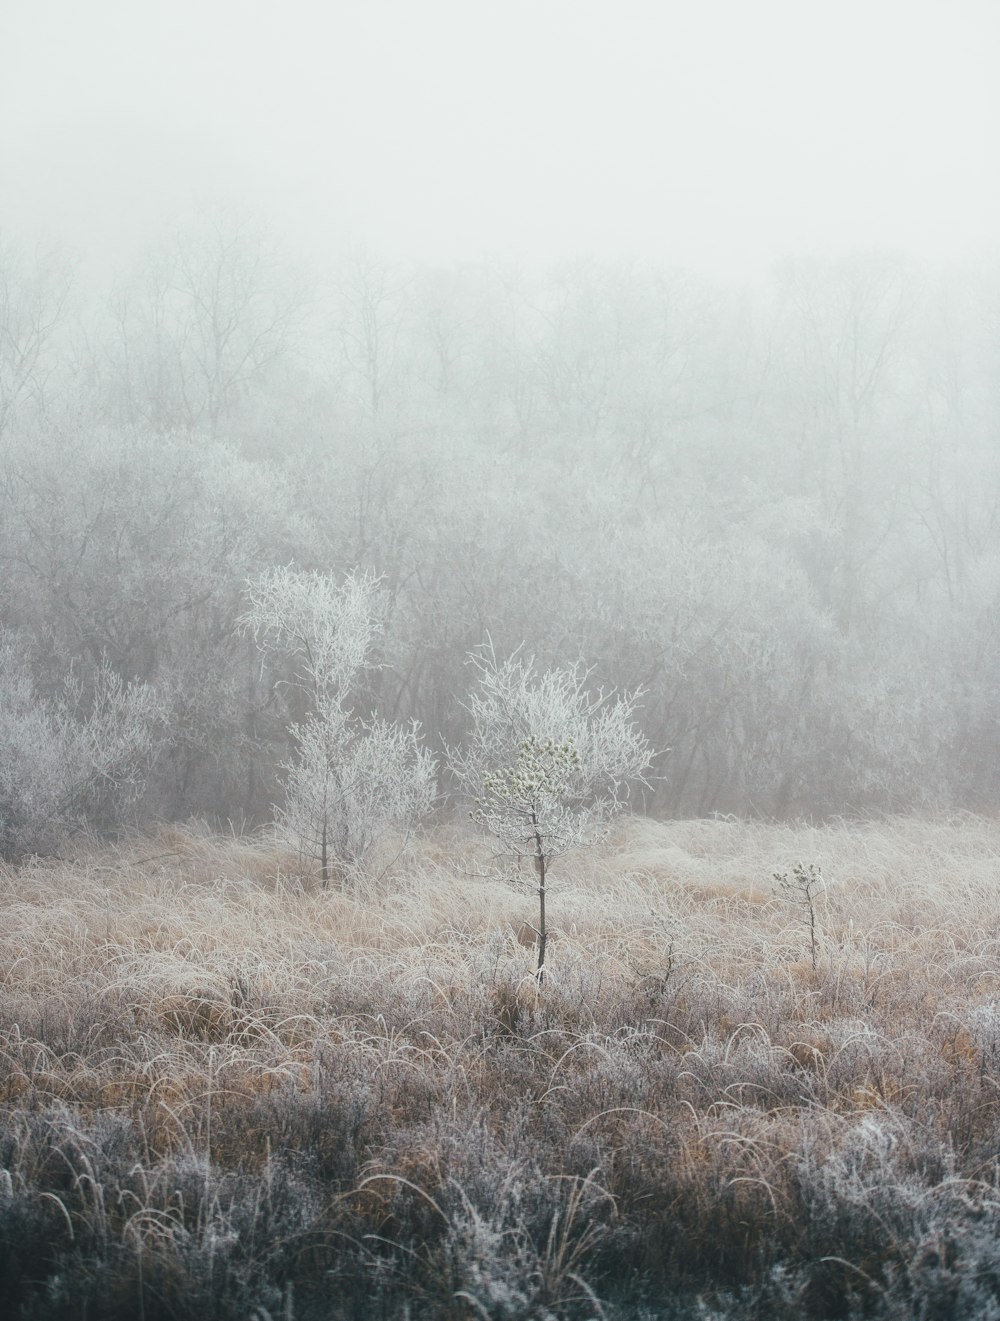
column 540, row 869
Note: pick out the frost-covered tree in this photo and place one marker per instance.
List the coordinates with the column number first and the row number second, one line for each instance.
column 327, row 629
column 548, row 762
column 351, row 779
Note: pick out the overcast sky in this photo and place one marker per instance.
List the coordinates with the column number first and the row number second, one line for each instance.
column 714, row 132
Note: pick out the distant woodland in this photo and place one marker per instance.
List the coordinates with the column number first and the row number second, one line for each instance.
column 772, row 508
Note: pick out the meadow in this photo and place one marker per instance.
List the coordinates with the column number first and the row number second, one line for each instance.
column 227, row 1092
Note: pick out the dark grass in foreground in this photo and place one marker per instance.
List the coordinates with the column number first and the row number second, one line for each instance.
column 227, row 1095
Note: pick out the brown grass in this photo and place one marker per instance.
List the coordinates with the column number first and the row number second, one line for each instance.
column 226, row 1089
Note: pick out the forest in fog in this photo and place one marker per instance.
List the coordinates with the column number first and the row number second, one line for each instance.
column 499, row 660
column 771, row 507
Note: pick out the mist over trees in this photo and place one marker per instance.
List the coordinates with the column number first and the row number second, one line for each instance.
column 774, row 508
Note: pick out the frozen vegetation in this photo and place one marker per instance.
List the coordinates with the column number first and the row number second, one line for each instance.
column 497, row 787
column 773, row 509
column 499, row 661
column 229, row 1092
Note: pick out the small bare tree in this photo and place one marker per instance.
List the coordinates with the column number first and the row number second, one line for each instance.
column 548, row 762
column 351, row 779
column 802, row 884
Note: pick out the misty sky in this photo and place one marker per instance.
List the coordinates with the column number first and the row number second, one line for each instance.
column 714, row 132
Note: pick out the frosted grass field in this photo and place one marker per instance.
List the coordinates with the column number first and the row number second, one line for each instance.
column 227, row 1092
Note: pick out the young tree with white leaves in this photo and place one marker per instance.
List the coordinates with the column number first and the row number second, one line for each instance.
column 548, row 762
column 352, row 780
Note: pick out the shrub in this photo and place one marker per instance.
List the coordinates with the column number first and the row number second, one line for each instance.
column 70, row 761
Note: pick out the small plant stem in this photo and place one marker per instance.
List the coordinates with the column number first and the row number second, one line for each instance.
column 540, row 869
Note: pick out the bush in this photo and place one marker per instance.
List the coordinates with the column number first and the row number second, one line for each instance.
column 70, row 761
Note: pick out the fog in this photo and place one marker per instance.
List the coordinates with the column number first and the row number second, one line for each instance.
column 499, row 659
column 655, row 342
column 718, row 134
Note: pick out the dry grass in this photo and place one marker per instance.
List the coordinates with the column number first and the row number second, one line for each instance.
column 228, row 1093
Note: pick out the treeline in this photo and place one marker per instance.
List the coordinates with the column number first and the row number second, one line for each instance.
column 775, row 508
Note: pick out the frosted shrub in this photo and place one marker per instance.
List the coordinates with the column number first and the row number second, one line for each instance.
column 954, row 1268
column 350, row 783
column 71, row 760
column 492, row 1264
column 548, row 763
column 351, row 780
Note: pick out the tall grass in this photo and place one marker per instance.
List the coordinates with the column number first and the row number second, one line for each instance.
column 227, row 1092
